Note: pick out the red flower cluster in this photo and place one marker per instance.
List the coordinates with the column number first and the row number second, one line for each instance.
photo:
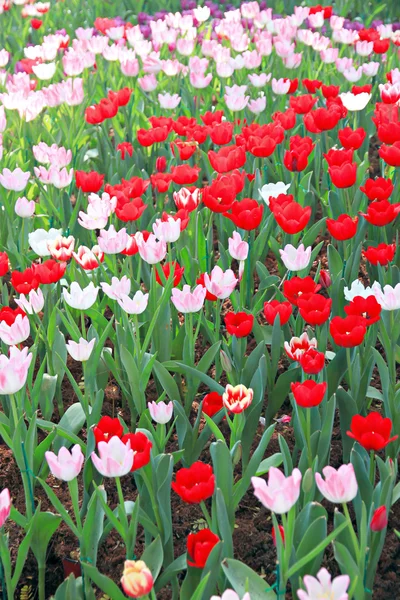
column 108, row 107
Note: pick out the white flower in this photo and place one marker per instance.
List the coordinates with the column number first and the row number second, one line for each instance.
column 81, row 298
column 354, row 102
column 44, row 71
column 272, row 190
column 357, row 289
column 39, row 239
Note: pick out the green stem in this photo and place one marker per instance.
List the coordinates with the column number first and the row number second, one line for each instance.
column 154, row 502
column 350, row 376
column 42, row 582
column 206, row 514
column 122, row 513
column 30, row 509
column 372, row 468
column 352, row 532
column 308, row 436
column 74, row 493
column 83, row 325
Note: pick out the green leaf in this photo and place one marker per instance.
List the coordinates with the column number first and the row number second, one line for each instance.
column 243, row 579
column 153, row 556
column 168, row 383
column 104, row 583
column 272, row 461
column 44, row 526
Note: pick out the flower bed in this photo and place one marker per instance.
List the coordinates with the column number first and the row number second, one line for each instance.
column 200, row 286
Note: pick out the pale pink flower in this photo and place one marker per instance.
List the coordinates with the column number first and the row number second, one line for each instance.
column 231, row 595
column 280, row 86
column 14, row 370
column 236, row 102
column 5, row 506
column 112, row 241
column 135, row 305
column 281, row 493
column 33, row 303
column 185, row 46
column 60, row 178
column 67, row 464
column 339, row 485
column 167, row 231
column 16, row 333
column 4, row 57
column 118, row 287
column 57, row 157
column 148, row 83
column 201, row 13
column 322, row 586
column 116, row 458
column 24, row 208
column 316, row 20
column 352, row 74
column 186, row 301
column 371, row 69
column 388, row 297
column 343, row 64
column 81, row 350
column 220, row 283
column 257, row 105
column 329, row 56
column 293, row 61
column 130, row 68
column 238, row 248
column 200, row 81
column 295, row 259
column 44, row 71
column 336, row 22
column 81, row 298
column 168, row 101
column 151, row 250
column 364, row 48
column 15, row 181
column 260, row 80
column 161, row 412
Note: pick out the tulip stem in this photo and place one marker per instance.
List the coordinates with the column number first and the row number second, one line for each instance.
column 352, row 532
column 206, row 514
column 121, row 500
column 350, row 382
column 83, row 325
column 74, row 493
column 308, row 435
column 372, row 468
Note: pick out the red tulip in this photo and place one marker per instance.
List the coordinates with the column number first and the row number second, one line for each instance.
column 239, row 324
column 344, row 176
column 212, row 403
column 292, row 218
column 371, row 432
column 185, row 149
column 378, row 189
column 212, row 118
column 185, row 174
column 338, row 158
column 302, row 104
column 295, row 160
column 227, row 158
column 273, row 308
column 312, row 85
column 178, row 273
column 369, row 308
column 330, row 91
column 391, row 154
column 50, row 271
column 221, row 133
column 342, row 228
column 314, row 308
column 161, row 164
column 296, row 287
column 195, row 484
column 309, row 393
column 381, row 254
column 125, row 148
column 141, row 445
column 361, row 89
column 325, row 278
column 350, row 138
column 89, row 182
column 381, row 46
column 4, row 265
column 148, row 137
column 312, row 361
column 199, row 546
column 286, row 119
column 381, row 212
column 281, row 533
column 36, row 23
column 246, row 214
column 379, row 519
column 348, row 331
column 161, row 181
column 130, row 209
column 8, row 315
column 107, row 428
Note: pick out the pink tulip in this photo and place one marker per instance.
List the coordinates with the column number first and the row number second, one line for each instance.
column 236, row 103
column 80, row 298
column 340, row 485
column 295, row 259
column 81, row 350
column 148, row 83
column 281, row 493
column 135, row 305
column 280, row 86
column 316, row 20
column 15, row 181
column 167, row 231
column 112, row 241
column 57, row 157
column 98, row 211
column 61, row 248
column 68, row 464
column 118, row 288
column 329, row 56
column 322, row 586
column 14, row 370
column 24, row 208
column 260, row 80
column 238, row 248
column 33, row 303
column 160, row 411
column 200, row 81
column 257, row 105
column 168, row 101
column 220, row 283
column 16, row 333
column 4, row 57
column 5, row 506
column 186, row 301
column 116, row 458
column 60, row 178
column 130, row 68
column 151, row 250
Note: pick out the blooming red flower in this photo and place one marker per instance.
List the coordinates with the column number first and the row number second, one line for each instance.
column 199, row 546
column 371, row 432
column 121, row 97
column 381, row 46
column 294, row 84
column 8, row 315
column 348, row 331
column 286, row 119
column 338, row 158
column 36, row 23
column 178, row 273
column 302, row 104
column 327, row 10
column 93, row 115
column 130, row 209
column 312, row 85
column 296, row 287
column 301, row 144
column 125, row 148
column 221, row 194
column 227, row 158
column 381, row 212
column 309, row 393
column 314, row 308
column 330, row 91
column 322, row 119
column 209, row 296
column 261, row 146
column 221, row 133
column 369, row 308
column 185, row 174
column 312, row 361
column 391, row 154
column 185, row 149
column 88, row 182
column 212, row 403
column 239, row 324
column 292, row 217
column 212, row 118
column 107, row 428
column 25, row 281
column 161, row 181
column 148, row 137
column 50, row 271
column 368, row 35
column 344, row 176
column 141, row 445
column 295, row 160
column 108, row 108
column 4, row 265
column 361, row 89
column 381, row 254
column 350, row 138
column 161, row 164
column 273, row 308
column 389, row 133
column 342, row 228
column 246, row 214
column 195, row 484
column 379, row 519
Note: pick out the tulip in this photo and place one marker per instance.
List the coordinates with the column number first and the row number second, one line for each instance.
column 348, row 332
column 379, row 519
column 220, row 283
column 136, row 580
column 199, row 546
column 297, row 346
column 68, row 464
column 33, row 304
column 371, row 432
column 340, row 485
column 357, row 289
column 281, row 493
column 79, row 298
column 151, row 250
column 274, row 308
column 118, row 288
column 40, row 238
column 295, row 259
column 141, row 446
column 212, row 403
column 239, row 324
column 368, row 308
column 273, row 190
column 135, row 305
column 106, row 428
column 382, row 254
column 186, row 301
column 388, row 297
column 161, row 412
column 309, row 393
column 167, row 231
column 112, row 241
column 14, row 370
column 24, row 208
column 15, row 181
column 322, row 586
column 5, row 506
column 195, row 484
column 116, row 458
column 82, row 350
column 168, row 101
column 15, row 333
column 186, row 199
column 237, row 399
column 4, row 264
column 62, row 247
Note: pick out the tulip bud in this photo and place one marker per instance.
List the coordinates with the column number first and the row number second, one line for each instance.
column 282, row 533
column 24, row 208
column 325, row 278
column 308, row 481
column 237, row 453
column 136, row 580
column 225, row 361
column 379, row 519
column 161, row 164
